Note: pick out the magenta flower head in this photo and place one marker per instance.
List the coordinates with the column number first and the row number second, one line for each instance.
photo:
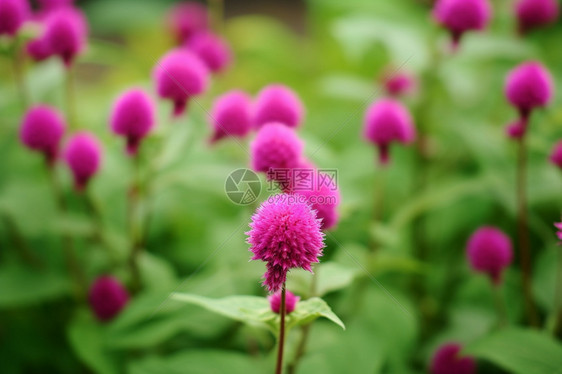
column 13, row 14
column 42, row 129
column 65, row 33
column 278, row 103
column 399, row 84
column 211, row 49
column 50, row 5
column 556, row 155
column 558, row 225
column 107, row 297
column 290, row 302
column 286, row 234
column 187, row 19
column 231, row 115
column 533, row 14
column 324, row 199
column 276, row 146
column 460, row 16
column 388, row 121
column 178, row 76
column 517, row 129
column 529, row 86
column 447, row 360
column 38, row 49
column 83, row 155
column 133, row 117
column 489, row 251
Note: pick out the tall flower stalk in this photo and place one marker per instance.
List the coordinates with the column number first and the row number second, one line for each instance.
column 281, row 343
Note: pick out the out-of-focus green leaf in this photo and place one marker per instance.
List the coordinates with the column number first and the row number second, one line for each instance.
column 519, row 351
column 330, row 276
column 544, row 277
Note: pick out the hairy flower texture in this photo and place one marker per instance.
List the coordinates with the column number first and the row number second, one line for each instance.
column 278, row 103
column 388, row 121
column 65, row 34
column 211, row 49
column 556, row 154
column 460, row 16
column 13, row 14
column 447, row 360
column 231, row 115
column 178, row 76
column 83, row 155
column 276, row 146
column 558, row 225
column 285, row 234
column 529, row 86
column 133, row 117
column 107, row 297
column 42, row 129
column 533, row 14
column 489, row 251
column 399, row 83
column 187, row 19
column 325, row 200
column 290, row 301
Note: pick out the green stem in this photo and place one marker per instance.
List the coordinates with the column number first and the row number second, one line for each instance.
column 135, row 228
column 499, row 302
column 378, row 207
column 17, row 60
column 20, row 243
column 279, row 366
column 70, row 98
column 558, row 298
column 217, row 15
column 98, row 235
column 523, row 233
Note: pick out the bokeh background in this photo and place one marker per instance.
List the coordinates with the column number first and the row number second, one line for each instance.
column 333, row 54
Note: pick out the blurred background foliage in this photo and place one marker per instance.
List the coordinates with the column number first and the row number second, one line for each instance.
column 332, row 54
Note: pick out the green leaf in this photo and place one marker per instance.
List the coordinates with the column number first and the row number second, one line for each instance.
column 519, row 351
column 331, row 276
column 308, row 310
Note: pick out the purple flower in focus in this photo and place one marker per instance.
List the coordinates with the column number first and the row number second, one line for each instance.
column 489, row 251
column 13, row 14
column 178, row 76
column 285, row 234
column 276, row 146
column 529, row 86
column 187, row 19
column 556, row 154
column 83, row 155
column 107, row 297
column 231, row 115
column 533, row 14
column 388, row 121
column 133, row 117
column 42, row 129
column 290, row 302
column 447, row 360
column 460, row 16
column 65, row 33
column 211, row 49
column 278, row 103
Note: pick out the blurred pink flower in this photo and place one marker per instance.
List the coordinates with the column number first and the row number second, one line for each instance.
column 290, row 302
column 324, row 199
column 276, row 146
column 278, row 103
column 83, row 155
column 460, row 16
column 447, row 360
column 533, row 14
column 286, row 234
column 489, row 251
column 187, row 19
column 49, row 5
column 556, row 154
column 107, row 297
column 388, row 121
column 517, row 129
column 133, row 117
column 38, row 49
column 13, row 14
column 178, row 76
column 529, row 86
column 231, row 115
column 65, row 34
column 558, row 225
column 211, row 49
column 42, row 129
column 399, row 83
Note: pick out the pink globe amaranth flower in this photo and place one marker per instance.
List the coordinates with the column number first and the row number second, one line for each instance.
column 324, row 199
column 517, row 129
column 489, row 251
column 556, row 154
column 178, row 76
column 50, row 5
column 187, row 19
column 388, row 121
column 107, row 297
column 42, row 129
column 447, row 360
column 13, row 14
column 231, row 115
column 399, row 84
column 529, row 86
column 290, row 302
column 460, row 16
column 278, row 103
column 286, row 234
column 276, row 146
column 211, row 49
column 533, row 14
column 133, row 117
column 38, row 49
column 558, row 225
column 83, row 155
column 65, row 33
